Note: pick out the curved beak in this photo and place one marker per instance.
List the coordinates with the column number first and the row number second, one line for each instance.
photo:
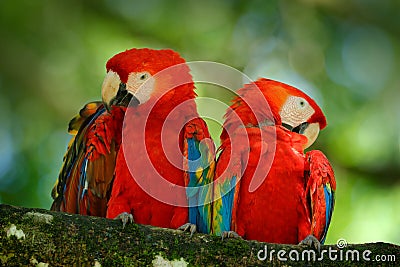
column 309, row 130
column 114, row 92
column 123, row 97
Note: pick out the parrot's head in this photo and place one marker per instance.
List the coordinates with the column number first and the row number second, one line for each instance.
column 268, row 102
column 131, row 75
column 293, row 109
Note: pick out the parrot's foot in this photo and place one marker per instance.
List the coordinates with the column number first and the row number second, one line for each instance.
column 312, row 242
column 230, row 234
column 188, row 227
column 125, row 218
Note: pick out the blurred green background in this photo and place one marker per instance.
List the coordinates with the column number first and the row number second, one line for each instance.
column 344, row 53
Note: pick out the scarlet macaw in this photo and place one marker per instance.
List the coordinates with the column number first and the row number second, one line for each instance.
column 266, row 188
column 94, row 163
column 89, row 169
column 167, row 147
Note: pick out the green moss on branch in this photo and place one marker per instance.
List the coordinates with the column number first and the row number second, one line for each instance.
column 36, row 237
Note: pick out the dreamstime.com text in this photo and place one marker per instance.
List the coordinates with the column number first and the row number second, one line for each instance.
column 330, row 254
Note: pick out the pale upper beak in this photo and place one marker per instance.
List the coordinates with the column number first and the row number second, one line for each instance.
column 309, row 130
column 114, row 92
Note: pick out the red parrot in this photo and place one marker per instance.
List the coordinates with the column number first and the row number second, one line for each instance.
column 167, row 156
column 266, row 188
column 88, row 173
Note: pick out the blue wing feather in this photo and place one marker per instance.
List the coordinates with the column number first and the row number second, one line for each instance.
column 198, row 193
column 227, row 203
column 329, row 203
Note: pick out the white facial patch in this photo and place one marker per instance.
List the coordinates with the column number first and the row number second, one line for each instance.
column 141, row 85
column 110, row 86
column 295, row 111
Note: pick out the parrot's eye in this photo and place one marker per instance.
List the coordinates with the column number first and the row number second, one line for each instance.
column 143, row 76
column 302, row 103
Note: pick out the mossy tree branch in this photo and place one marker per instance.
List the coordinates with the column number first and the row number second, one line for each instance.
column 38, row 237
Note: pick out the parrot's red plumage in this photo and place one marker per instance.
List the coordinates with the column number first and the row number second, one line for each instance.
column 94, row 162
column 266, row 130
column 160, row 134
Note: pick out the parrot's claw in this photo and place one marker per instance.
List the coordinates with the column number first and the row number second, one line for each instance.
column 312, row 242
column 230, row 234
column 188, row 227
column 125, row 218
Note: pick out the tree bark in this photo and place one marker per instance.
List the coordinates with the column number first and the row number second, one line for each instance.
column 37, row 237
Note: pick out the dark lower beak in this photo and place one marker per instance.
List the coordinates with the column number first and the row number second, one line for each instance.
column 123, row 97
column 287, row 126
column 298, row 129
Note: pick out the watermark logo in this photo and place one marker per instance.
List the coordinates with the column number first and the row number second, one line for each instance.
column 330, row 254
column 341, row 243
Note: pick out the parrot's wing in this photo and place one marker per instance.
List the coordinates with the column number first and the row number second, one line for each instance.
column 82, row 118
column 85, row 178
column 244, row 148
column 228, row 172
column 232, row 161
column 321, row 186
column 199, row 152
column 87, row 114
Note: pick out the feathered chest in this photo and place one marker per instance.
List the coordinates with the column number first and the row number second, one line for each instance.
column 152, row 146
